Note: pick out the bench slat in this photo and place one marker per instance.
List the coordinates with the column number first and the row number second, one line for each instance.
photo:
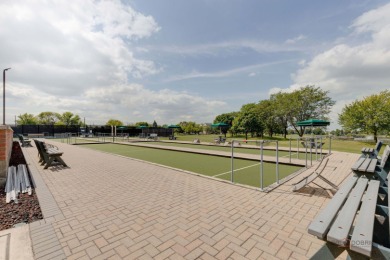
column 338, row 234
column 321, row 224
column 357, row 164
column 371, row 167
column 363, row 167
column 361, row 240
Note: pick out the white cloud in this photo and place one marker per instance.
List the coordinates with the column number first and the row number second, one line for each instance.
column 63, row 47
column 163, row 105
column 128, row 103
column 353, row 71
column 296, row 39
column 225, row 73
column 79, row 57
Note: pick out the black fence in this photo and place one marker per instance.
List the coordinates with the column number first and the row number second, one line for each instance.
column 52, row 130
column 46, row 130
column 106, row 129
column 164, row 132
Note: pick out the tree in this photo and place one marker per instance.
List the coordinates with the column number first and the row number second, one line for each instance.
column 68, row 118
column 305, row 103
column 226, row 118
column 114, row 122
column 48, row 118
column 370, row 115
column 141, row 124
column 27, row 119
column 249, row 120
column 266, row 111
column 281, row 106
column 154, row 124
column 190, row 127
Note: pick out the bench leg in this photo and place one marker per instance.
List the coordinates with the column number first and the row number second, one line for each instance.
column 55, row 158
column 49, row 163
column 61, row 161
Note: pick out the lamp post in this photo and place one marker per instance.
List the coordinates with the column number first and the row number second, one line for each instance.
column 4, row 94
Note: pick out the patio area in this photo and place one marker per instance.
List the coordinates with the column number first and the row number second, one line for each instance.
column 111, row 207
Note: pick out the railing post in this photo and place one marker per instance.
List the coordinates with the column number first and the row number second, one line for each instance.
column 290, row 150
column 232, row 163
column 277, row 162
column 311, row 155
column 306, row 152
column 261, row 166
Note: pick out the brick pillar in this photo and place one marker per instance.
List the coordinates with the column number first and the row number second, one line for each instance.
column 6, row 138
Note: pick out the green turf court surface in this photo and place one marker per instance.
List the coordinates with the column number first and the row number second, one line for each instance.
column 245, row 171
column 285, row 154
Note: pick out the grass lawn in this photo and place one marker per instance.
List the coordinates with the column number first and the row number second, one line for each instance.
column 245, row 171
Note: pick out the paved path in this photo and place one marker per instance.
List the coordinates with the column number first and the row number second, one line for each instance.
column 111, row 207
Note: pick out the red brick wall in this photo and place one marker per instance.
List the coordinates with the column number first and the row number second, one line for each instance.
column 6, row 138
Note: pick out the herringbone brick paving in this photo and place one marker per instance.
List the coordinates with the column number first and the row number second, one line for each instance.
column 111, row 207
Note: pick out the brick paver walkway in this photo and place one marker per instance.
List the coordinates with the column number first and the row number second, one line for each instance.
column 111, row 207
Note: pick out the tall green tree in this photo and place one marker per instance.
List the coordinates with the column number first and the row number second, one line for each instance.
column 370, row 115
column 306, row 103
column 48, row 118
column 226, row 118
column 141, row 124
column 190, row 127
column 249, row 120
column 68, row 118
column 154, row 124
column 114, row 122
column 268, row 117
column 282, row 110
column 27, row 119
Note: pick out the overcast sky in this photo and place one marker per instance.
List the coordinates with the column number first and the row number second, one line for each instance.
column 175, row 60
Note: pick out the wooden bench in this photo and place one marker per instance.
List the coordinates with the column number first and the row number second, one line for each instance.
column 35, row 135
column 372, row 152
column 365, row 164
column 49, row 155
column 336, row 223
column 153, row 137
column 24, row 141
column 350, row 217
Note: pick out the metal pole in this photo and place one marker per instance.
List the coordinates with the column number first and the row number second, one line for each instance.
column 261, row 166
column 290, row 149
column 232, row 164
column 306, row 153
column 311, row 155
column 330, row 144
column 277, row 162
column 298, row 147
column 4, row 94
